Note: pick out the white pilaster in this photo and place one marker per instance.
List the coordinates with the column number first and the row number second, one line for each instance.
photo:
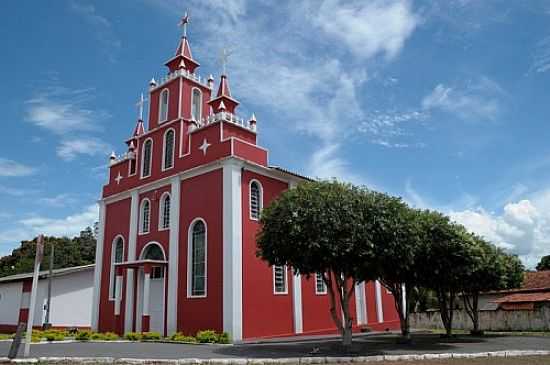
column 173, row 254
column 404, row 300
column 132, row 243
column 232, row 250
column 118, row 294
column 360, row 307
column 379, row 308
column 146, row 291
column 297, row 301
column 98, row 266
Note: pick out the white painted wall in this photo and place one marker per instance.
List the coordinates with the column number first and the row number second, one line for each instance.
column 10, row 301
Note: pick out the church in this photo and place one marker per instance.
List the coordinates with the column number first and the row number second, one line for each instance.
column 178, row 217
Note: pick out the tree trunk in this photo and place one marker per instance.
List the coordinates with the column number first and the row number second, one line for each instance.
column 403, row 311
column 344, row 324
column 471, row 305
column 444, row 311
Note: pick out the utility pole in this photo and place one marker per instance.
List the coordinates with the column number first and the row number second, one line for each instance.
column 47, row 323
column 30, row 321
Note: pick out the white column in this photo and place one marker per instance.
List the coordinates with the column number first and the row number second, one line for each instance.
column 379, row 309
column 173, row 254
column 118, row 294
column 98, row 266
column 232, row 250
column 146, row 291
column 132, row 242
column 360, row 308
column 404, row 299
column 297, row 301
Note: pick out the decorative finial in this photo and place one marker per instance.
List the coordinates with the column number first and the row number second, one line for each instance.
column 113, row 156
column 153, row 82
column 252, row 122
column 183, row 23
column 210, row 81
column 139, row 104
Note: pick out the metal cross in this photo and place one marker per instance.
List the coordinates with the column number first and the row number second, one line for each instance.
column 139, row 104
column 224, row 57
column 118, row 178
column 183, row 23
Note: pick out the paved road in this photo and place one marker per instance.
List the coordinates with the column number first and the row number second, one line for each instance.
column 364, row 346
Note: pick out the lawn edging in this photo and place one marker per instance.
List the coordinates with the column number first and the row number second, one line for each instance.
column 270, row 361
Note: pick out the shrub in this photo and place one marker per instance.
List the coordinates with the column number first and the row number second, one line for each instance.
column 223, row 337
column 150, row 336
column 83, row 336
column 133, row 336
column 207, row 336
column 110, row 336
column 180, row 337
column 54, row 336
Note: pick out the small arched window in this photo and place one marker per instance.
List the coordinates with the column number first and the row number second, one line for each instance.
column 117, row 255
column 197, row 260
column 165, row 212
column 145, row 216
column 163, row 105
column 196, row 104
column 168, row 149
column 153, row 251
column 255, row 200
column 146, row 161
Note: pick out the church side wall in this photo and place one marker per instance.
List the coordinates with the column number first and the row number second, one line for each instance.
column 264, row 313
column 201, row 197
column 116, row 222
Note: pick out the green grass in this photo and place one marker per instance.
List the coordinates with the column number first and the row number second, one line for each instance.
column 5, row 337
column 498, row 333
column 529, row 360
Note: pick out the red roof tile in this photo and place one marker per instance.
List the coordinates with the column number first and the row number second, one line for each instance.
column 536, row 279
column 524, row 297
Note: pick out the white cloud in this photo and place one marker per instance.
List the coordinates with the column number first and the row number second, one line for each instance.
column 15, row 191
column 368, row 28
column 69, row 149
column 479, row 100
column 60, row 200
column 10, row 168
column 541, row 57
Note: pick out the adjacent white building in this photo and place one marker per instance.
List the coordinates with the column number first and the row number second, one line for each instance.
column 71, row 301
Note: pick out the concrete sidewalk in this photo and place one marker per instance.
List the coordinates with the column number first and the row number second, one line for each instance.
column 371, row 345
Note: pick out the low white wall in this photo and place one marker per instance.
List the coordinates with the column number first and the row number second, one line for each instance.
column 10, row 301
column 499, row 320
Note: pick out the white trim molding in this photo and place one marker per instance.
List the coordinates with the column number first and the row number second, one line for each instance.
column 173, row 255
column 142, row 216
column 142, row 164
column 131, row 256
column 163, row 162
column 112, row 271
column 200, row 103
column 260, row 198
column 161, row 211
column 232, row 249
column 360, row 304
column 98, row 266
column 297, row 303
column 160, row 119
column 190, row 259
column 379, row 308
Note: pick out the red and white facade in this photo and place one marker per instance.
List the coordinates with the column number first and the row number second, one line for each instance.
column 178, row 219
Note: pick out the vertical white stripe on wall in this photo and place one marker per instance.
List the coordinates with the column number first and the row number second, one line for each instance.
column 98, row 266
column 297, row 301
column 379, row 308
column 232, row 250
column 360, row 308
column 173, row 254
column 404, row 299
column 132, row 242
column 146, row 290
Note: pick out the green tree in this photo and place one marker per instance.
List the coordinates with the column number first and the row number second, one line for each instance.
column 544, row 263
column 322, row 227
column 77, row 251
column 444, row 261
column 398, row 238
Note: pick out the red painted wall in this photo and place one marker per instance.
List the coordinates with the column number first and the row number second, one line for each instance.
column 201, row 196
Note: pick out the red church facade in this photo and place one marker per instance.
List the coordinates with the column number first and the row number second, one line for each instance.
column 178, row 219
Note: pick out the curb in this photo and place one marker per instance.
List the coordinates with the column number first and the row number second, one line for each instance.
column 270, row 361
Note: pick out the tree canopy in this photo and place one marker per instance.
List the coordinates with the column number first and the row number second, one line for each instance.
column 69, row 252
column 544, row 263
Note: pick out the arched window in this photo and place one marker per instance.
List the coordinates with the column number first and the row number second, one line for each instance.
column 196, row 104
column 255, row 200
column 197, row 259
column 145, row 216
column 164, row 215
column 146, row 159
column 163, row 105
column 117, row 255
column 168, row 149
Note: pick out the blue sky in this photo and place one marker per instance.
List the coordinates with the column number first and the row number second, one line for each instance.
column 443, row 103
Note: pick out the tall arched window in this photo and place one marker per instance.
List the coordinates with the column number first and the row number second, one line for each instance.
column 146, row 158
column 197, row 259
column 117, row 255
column 163, row 105
column 255, row 200
column 168, row 149
column 196, row 104
column 164, row 211
column 145, row 216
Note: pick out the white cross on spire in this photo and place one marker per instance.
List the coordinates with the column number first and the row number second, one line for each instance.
column 139, row 104
column 183, row 23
